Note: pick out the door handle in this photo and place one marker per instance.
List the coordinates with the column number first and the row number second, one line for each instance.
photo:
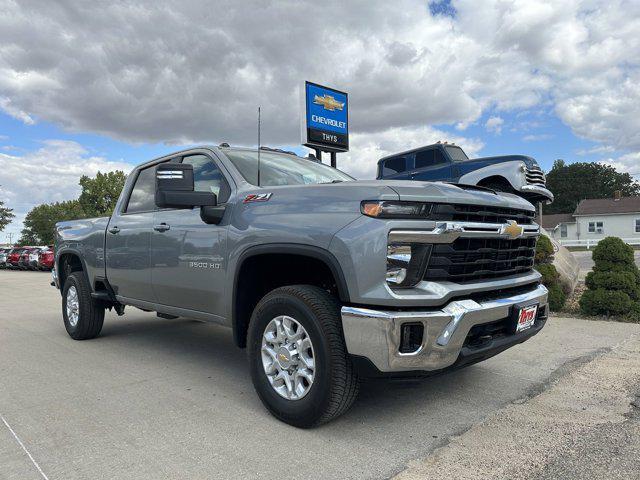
column 114, row 230
column 163, row 227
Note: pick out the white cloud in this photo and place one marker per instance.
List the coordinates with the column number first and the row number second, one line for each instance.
column 7, row 107
column 629, row 163
column 596, row 150
column 494, row 124
column 49, row 174
column 365, row 149
column 196, row 70
column 537, row 137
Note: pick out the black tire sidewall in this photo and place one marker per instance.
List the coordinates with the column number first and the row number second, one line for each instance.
column 71, row 330
column 91, row 315
column 305, row 411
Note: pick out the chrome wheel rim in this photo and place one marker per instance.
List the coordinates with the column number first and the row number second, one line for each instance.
column 288, row 358
column 73, row 306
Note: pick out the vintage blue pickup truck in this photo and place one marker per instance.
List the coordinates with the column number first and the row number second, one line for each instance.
column 447, row 162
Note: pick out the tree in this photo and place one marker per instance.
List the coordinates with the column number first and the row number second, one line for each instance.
column 6, row 215
column 572, row 183
column 40, row 221
column 100, row 194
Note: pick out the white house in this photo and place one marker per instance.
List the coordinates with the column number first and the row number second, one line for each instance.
column 595, row 219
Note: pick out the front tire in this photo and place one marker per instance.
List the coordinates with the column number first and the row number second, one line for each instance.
column 83, row 316
column 298, row 359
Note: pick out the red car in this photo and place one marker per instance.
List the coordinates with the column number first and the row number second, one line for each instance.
column 46, row 258
column 14, row 257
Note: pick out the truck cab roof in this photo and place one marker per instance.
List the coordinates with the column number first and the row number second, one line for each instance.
column 425, row 147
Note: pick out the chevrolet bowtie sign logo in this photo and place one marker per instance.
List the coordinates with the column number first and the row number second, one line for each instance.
column 328, row 102
column 512, row 229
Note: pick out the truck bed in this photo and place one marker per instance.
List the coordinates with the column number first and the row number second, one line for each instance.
column 86, row 238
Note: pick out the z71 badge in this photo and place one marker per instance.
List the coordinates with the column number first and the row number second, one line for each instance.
column 257, row 197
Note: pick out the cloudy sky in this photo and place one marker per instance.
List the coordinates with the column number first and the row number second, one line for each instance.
column 88, row 86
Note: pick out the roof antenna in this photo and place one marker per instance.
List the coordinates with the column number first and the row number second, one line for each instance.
column 258, row 146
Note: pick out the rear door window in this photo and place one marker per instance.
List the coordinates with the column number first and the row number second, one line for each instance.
column 394, row 165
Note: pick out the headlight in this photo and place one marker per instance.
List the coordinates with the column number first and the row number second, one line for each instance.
column 389, row 209
column 406, row 263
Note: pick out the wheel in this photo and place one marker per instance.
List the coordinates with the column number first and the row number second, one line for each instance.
column 298, row 359
column 83, row 317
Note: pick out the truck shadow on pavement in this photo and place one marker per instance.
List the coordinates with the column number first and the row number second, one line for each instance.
column 203, row 355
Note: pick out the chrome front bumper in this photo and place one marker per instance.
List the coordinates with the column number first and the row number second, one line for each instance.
column 376, row 334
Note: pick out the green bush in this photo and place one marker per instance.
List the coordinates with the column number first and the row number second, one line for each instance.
column 549, row 274
column 634, row 313
column 606, row 266
column 550, row 278
column 544, row 251
column 614, row 284
column 613, row 280
column 615, row 251
column 557, row 297
column 605, row 302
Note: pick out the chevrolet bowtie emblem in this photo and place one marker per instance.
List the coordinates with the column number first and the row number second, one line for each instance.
column 512, row 229
column 328, row 102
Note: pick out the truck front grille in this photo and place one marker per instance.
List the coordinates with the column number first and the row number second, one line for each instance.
column 473, row 259
column 535, row 176
column 476, row 213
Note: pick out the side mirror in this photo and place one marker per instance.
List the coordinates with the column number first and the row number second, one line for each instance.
column 174, row 188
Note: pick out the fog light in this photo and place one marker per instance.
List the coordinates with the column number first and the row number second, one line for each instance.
column 396, row 276
column 406, row 263
column 411, row 337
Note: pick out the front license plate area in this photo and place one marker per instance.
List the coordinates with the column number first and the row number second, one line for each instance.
column 526, row 317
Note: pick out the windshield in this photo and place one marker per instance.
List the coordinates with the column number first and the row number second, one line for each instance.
column 456, row 154
column 282, row 169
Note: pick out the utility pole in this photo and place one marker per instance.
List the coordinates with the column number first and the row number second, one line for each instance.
column 10, row 235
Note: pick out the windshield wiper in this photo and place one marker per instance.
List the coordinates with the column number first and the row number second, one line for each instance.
column 332, row 181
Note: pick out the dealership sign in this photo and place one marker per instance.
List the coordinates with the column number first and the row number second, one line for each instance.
column 325, row 123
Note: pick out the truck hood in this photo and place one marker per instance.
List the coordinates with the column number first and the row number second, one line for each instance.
column 341, row 196
column 528, row 161
column 441, row 192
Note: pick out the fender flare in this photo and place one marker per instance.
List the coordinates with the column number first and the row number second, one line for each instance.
column 318, row 253
column 508, row 170
column 75, row 253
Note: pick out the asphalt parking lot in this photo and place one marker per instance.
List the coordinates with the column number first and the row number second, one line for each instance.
column 156, row 398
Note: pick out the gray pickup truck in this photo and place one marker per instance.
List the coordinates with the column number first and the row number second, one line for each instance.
column 324, row 279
